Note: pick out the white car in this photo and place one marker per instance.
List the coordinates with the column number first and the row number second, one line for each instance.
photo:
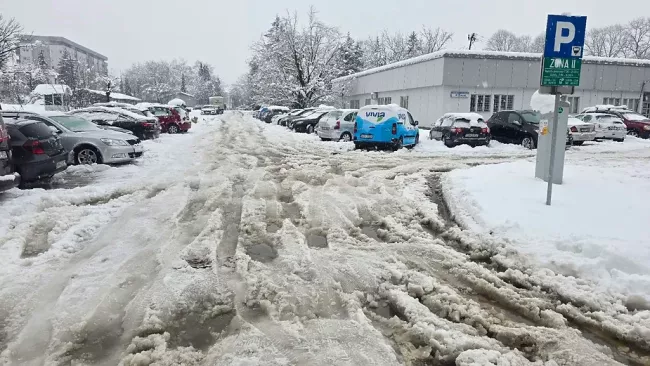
column 276, row 118
column 581, row 131
column 607, row 126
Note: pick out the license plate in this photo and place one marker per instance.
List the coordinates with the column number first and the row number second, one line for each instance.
column 3, row 155
column 60, row 164
column 366, row 136
column 324, row 128
column 584, row 130
column 471, row 135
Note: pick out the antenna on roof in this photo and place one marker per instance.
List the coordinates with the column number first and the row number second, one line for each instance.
column 471, row 38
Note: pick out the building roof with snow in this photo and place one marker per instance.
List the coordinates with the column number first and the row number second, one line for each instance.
column 490, row 55
column 114, row 95
column 49, row 89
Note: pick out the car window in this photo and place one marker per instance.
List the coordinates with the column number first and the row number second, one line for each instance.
column 514, row 118
column 349, row 117
column 38, row 130
column 461, row 123
column 586, row 118
column 608, row 119
column 334, row 115
column 160, row 112
column 411, row 120
column 446, row 122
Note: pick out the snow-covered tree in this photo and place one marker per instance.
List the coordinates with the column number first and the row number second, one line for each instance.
column 352, row 56
column 434, row 40
column 42, row 63
column 10, row 31
column 609, row 41
column 413, row 45
column 295, row 64
column 637, row 34
column 374, row 53
column 68, row 71
column 503, row 40
column 183, row 86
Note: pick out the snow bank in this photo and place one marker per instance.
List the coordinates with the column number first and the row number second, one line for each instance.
column 543, row 103
column 596, row 227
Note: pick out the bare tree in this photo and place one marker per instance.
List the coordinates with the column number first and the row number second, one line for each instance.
column 610, row 41
column 538, row 44
column 503, row 40
column 396, row 46
column 638, row 38
column 434, row 39
column 9, row 38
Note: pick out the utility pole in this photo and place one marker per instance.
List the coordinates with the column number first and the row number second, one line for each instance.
column 471, row 38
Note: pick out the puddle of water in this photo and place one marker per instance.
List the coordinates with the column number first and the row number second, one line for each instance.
column 316, row 241
column 262, row 252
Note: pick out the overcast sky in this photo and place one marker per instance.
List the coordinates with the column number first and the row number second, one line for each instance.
column 220, row 32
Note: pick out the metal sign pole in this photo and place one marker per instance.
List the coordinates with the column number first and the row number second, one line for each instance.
column 553, row 131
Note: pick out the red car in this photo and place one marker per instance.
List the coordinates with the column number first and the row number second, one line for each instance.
column 172, row 119
column 637, row 125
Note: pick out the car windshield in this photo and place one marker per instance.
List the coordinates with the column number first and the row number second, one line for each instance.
column 75, row 123
column 608, row 119
column 635, row 117
column 531, row 117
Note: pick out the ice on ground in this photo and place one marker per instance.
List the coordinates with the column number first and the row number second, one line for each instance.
column 596, row 227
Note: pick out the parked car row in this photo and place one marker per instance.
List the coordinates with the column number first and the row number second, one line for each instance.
column 36, row 146
column 373, row 126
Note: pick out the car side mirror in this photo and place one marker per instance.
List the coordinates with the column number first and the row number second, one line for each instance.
column 416, row 123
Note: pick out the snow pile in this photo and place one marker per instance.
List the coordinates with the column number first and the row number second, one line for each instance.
column 543, row 103
column 595, row 229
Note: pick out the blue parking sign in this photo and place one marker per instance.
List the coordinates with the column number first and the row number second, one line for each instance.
column 565, row 36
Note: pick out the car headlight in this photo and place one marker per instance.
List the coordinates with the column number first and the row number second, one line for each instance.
column 114, row 142
column 646, row 127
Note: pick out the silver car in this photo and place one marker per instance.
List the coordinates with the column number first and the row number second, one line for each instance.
column 90, row 144
column 337, row 125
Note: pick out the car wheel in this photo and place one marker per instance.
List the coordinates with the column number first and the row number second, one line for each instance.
column 398, row 144
column 172, row 129
column 619, row 140
column 346, row 137
column 87, row 156
column 310, row 129
column 528, row 142
column 417, row 139
column 324, row 139
column 447, row 141
column 633, row 133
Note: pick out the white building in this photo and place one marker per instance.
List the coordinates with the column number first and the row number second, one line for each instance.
column 486, row 82
column 53, row 49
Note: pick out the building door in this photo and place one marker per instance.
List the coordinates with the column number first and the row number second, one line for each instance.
column 645, row 106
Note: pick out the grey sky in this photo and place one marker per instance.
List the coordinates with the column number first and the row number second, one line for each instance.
column 220, row 32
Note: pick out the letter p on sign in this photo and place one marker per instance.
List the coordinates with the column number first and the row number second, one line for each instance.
column 563, row 39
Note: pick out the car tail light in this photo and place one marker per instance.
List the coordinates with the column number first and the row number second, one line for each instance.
column 574, row 129
column 485, row 130
column 4, row 136
column 34, row 146
column 337, row 126
column 394, row 129
column 457, row 130
column 147, row 124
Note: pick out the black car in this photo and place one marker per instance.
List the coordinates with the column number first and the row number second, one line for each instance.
column 143, row 127
column 518, row 127
column 308, row 122
column 37, row 152
column 8, row 179
column 461, row 128
column 515, row 127
column 288, row 120
column 273, row 112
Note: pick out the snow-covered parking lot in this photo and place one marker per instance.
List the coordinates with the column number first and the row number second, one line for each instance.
column 243, row 243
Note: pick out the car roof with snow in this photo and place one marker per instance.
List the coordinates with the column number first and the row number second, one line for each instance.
column 468, row 116
column 113, row 110
column 608, row 107
column 576, row 121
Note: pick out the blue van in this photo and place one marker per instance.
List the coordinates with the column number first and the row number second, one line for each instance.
column 385, row 126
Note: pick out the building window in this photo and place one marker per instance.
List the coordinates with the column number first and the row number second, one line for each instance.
column 354, row 104
column 612, row 101
column 632, row 103
column 368, row 101
column 388, row 100
column 503, row 102
column 479, row 103
column 404, row 102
